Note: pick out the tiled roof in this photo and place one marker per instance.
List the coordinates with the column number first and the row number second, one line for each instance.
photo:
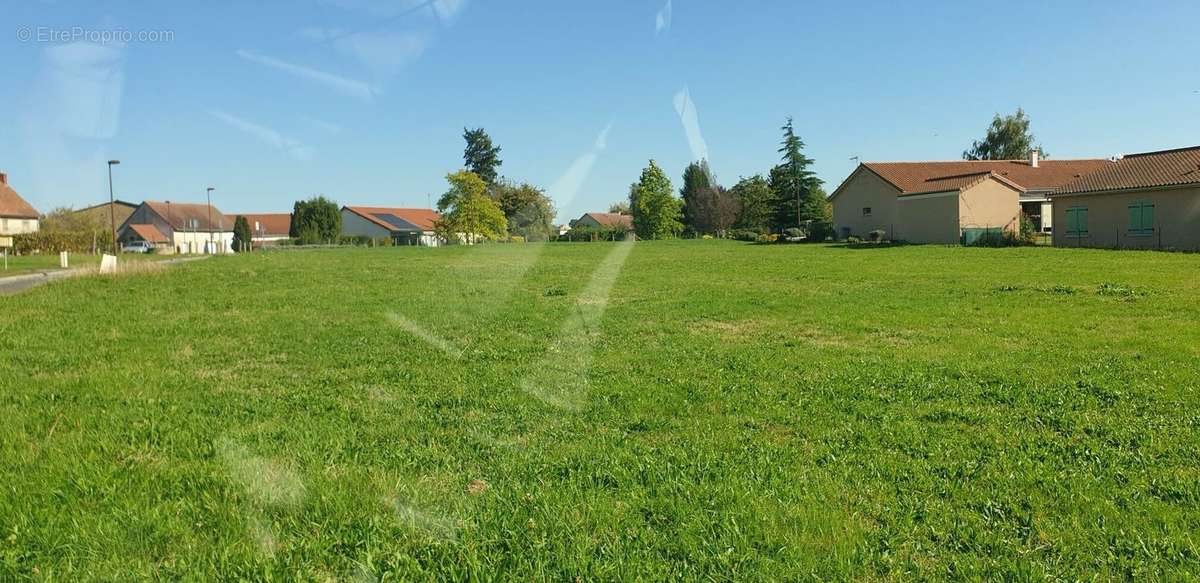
column 149, row 233
column 611, row 220
column 13, row 206
column 1148, row 170
column 395, row 219
column 914, row 177
column 271, row 224
column 191, row 216
column 961, row 182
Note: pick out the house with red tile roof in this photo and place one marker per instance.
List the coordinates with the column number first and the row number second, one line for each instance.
column 268, row 227
column 174, row 227
column 16, row 216
column 1138, row 201
column 404, row 226
column 938, row 201
column 605, row 221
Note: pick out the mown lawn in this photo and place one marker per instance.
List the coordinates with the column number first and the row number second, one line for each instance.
column 724, row 411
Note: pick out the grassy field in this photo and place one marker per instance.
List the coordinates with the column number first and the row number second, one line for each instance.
column 49, row 262
column 690, row 410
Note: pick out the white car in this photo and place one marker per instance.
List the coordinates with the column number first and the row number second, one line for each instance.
column 137, row 247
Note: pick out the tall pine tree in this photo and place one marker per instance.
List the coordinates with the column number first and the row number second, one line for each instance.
column 480, row 156
column 797, row 189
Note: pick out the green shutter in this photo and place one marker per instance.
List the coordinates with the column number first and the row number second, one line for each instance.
column 1141, row 218
column 1077, row 221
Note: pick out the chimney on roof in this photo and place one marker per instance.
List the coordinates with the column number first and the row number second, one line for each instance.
column 3, row 178
column 1034, row 157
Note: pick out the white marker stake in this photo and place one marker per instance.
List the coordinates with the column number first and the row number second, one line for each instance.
column 108, row 263
column 63, row 261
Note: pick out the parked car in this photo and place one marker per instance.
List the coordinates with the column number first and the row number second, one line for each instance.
column 137, row 247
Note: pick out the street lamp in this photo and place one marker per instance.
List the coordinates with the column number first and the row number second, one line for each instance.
column 112, row 214
column 211, row 247
column 171, row 227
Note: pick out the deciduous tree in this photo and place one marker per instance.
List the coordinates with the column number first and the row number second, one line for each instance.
column 656, row 211
column 527, row 208
column 757, row 203
column 469, row 211
column 1008, row 138
column 316, row 220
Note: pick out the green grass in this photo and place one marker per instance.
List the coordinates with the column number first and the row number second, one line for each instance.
column 24, row 264
column 730, row 411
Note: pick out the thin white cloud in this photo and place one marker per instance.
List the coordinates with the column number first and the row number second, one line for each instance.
column 691, row 124
column 662, row 21
column 323, row 125
column 266, row 135
column 350, row 87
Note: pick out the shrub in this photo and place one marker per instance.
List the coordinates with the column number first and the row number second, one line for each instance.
column 877, row 236
column 852, row 240
column 744, row 234
column 767, row 238
column 58, row 241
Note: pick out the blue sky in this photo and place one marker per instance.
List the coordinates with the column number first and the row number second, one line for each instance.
column 365, row 100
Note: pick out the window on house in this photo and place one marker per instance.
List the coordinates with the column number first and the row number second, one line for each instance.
column 866, row 211
column 1077, row 221
column 1141, row 218
column 5, row 225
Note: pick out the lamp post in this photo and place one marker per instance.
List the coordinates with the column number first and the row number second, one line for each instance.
column 112, row 214
column 171, row 227
column 211, row 247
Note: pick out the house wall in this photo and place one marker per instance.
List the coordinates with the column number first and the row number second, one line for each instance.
column 866, row 189
column 1176, row 220
column 928, row 218
column 14, row 226
column 990, row 204
column 198, row 242
column 354, row 224
column 142, row 215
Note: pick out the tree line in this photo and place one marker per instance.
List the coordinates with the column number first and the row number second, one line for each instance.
column 483, row 205
column 789, row 196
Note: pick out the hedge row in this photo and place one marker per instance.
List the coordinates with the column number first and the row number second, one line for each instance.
column 58, row 241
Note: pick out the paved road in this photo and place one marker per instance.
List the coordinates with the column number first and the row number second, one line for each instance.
column 20, row 283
